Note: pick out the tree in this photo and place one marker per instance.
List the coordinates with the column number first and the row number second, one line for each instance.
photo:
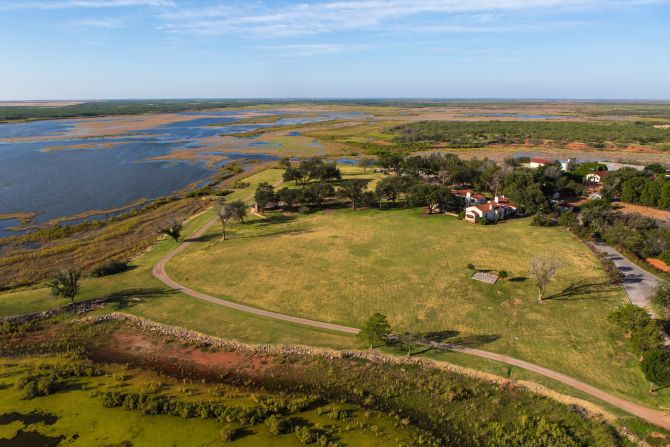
column 407, row 341
column 66, row 284
column 353, row 190
column 568, row 219
column 391, row 187
column 173, row 230
column 317, row 193
column 237, row 210
column 391, row 160
column 366, row 163
column 377, row 328
column 543, row 270
column 289, row 197
column 661, row 298
column 233, row 210
column 265, row 193
column 656, row 368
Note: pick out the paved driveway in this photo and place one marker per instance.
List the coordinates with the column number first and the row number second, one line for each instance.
column 638, row 283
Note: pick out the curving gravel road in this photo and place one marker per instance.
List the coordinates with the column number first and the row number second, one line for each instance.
column 638, row 283
column 656, row 417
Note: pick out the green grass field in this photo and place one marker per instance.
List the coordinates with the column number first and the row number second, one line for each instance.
column 340, row 266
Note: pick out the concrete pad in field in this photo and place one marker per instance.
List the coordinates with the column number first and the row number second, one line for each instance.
column 485, row 277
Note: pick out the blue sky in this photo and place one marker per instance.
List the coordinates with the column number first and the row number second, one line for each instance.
column 92, row 49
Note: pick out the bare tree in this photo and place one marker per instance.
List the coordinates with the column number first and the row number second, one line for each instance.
column 543, row 270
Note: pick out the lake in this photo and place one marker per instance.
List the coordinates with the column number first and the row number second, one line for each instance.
column 60, row 183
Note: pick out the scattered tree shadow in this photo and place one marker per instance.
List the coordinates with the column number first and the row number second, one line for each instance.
column 243, row 433
column 131, row 297
column 205, row 237
column 475, row 341
column 578, row 290
column 439, row 336
column 518, row 279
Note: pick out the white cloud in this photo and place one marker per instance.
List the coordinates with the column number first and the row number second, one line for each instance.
column 99, row 23
column 291, row 19
column 73, row 4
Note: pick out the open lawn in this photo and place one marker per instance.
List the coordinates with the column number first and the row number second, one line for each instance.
column 339, row 266
column 139, row 293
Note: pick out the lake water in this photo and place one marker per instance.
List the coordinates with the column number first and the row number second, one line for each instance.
column 60, row 183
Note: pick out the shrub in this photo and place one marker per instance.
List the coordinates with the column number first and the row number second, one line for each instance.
column 656, row 367
column 645, row 334
column 503, row 274
column 542, row 220
column 471, row 267
column 110, row 268
column 661, row 298
column 277, row 425
column 306, row 435
column 461, row 215
column 228, row 434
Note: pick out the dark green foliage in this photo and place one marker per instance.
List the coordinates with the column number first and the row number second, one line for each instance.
column 531, row 432
column 278, row 425
column 542, row 220
column 228, row 434
column 48, row 379
column 391, row 187
column 172, row 230
column 483, row 133
column 289, row 197
column 317, row 193
column 120, row 107
column 656, row 367
column 376, row 329
column 434, row 198
column 661, row 298
column 265, row 194
column 308, row 169
column 644, row 332
column 65, row 284
column 110, row 268
column 569, row 220
column 353, row 190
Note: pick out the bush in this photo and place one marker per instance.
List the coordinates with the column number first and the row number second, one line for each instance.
column 542, row 220
column 277, row 425
column 661, row 298
column 110, row 268
column 461, row 215
column 645, row 334
column 306, row 435
column 503, row 274
column 471, row 267
column 228, row 434
column 656, row 367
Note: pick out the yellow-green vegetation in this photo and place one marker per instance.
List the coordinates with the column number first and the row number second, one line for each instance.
column 108, row 406
column 137, row 292
column 340, row 266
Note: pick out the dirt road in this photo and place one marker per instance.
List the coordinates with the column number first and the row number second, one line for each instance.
column 656, row 417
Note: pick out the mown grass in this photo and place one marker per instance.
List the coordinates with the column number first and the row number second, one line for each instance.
column 137, row 292
column 340, row 266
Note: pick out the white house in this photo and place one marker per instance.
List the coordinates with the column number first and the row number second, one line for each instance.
column 568, row 165
column 596, row 177
column 499, row 209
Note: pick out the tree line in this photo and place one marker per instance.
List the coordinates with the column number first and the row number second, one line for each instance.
column 459, row 134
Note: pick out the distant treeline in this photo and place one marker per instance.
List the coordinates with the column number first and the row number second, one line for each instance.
column 101, row 108
column 483, row 133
